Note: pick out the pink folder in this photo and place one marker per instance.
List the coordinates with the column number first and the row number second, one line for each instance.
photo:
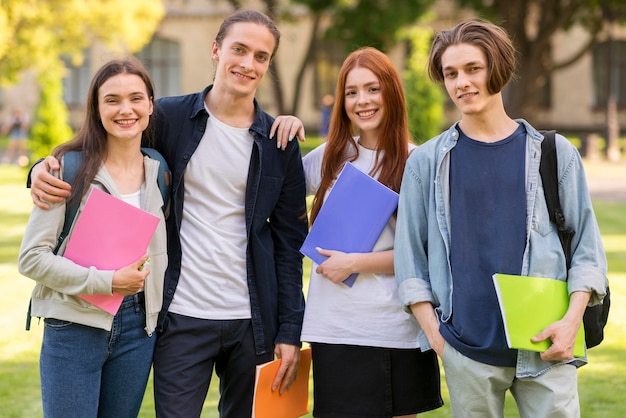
column 109, row 234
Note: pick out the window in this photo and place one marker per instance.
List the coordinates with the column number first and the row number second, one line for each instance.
column 162, row 59
column 609, row 73
column 76, row 81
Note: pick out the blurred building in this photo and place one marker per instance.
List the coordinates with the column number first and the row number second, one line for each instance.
column 179, row 59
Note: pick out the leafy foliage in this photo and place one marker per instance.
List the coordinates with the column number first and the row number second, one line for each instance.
column 425, row 99
column 51, row 122
column 373, row 22
column 356, row 23
column 34, row 34
column 32, row 31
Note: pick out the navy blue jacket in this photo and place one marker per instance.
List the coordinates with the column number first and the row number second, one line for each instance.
column 275, row 211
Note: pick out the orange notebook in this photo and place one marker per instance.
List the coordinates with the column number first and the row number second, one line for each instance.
column 291, row 404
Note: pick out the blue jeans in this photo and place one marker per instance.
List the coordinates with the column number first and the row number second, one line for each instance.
column 90, row 372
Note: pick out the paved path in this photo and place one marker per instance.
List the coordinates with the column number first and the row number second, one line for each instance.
column 607, row 181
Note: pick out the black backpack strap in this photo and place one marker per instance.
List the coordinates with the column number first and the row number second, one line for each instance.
column 549, row 178
column 596, row 316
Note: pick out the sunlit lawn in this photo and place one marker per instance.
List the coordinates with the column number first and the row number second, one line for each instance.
column 601, row 383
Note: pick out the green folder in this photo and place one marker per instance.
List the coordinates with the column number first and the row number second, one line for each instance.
column 528, row 305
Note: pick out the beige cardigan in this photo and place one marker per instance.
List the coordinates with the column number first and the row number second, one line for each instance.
column 59, row 280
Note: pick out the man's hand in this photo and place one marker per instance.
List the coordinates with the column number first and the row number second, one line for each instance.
column 46, row 188
column 562, row 333
column 427, row 318
column 563, row 337
column 289, row 356
column 285, row 129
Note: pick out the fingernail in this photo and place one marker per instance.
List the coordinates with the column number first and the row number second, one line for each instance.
column 271, row 135
column 290, row 138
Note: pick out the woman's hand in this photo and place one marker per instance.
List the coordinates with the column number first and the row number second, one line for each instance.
column 340, row 265
column 337, row 267
column 130, row 279
column 285, row 129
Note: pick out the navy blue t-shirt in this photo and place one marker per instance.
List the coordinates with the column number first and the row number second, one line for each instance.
column 488, row 235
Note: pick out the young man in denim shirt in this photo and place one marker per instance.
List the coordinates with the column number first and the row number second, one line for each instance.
column 471, row 205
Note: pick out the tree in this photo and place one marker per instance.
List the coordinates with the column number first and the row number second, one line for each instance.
column 273, row 70
column 317, row 9
column 373, row 22
column 357, row 23
column 612, row 122
column 533, row 24
column 35, row 34
column 424, row 99
column 50, row 127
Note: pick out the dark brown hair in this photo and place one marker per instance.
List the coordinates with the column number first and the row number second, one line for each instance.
column 394, row 139
column 92, row 137
column 491, row 39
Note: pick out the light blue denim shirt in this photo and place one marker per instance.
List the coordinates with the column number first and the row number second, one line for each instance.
column 422, row 243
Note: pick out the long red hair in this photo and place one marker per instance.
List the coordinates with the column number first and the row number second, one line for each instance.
column 393, row 141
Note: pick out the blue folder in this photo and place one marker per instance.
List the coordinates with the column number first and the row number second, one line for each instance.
column 352, row 218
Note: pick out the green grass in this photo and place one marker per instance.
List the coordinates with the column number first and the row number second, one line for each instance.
column 601, row 383
column 311, row 143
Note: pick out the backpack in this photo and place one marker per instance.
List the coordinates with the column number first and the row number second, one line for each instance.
column 71, row 162
column 596, row 316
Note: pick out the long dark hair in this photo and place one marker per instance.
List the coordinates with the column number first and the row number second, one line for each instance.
column 394, row 139
column 91, row 138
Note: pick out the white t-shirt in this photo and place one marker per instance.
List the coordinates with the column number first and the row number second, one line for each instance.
column 135, row 200
column 213, row 276
column 370, row 312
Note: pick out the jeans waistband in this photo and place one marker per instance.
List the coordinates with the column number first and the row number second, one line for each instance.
column 133, row 300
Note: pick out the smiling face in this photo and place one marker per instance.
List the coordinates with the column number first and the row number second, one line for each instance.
column 465, row 75
column 363, row 103
column 124, row 107
column 243, row 57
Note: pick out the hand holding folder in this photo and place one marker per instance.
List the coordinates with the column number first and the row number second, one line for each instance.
column 352, row 218
column 291, row 404
column 530, row 304
column 109, row 234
